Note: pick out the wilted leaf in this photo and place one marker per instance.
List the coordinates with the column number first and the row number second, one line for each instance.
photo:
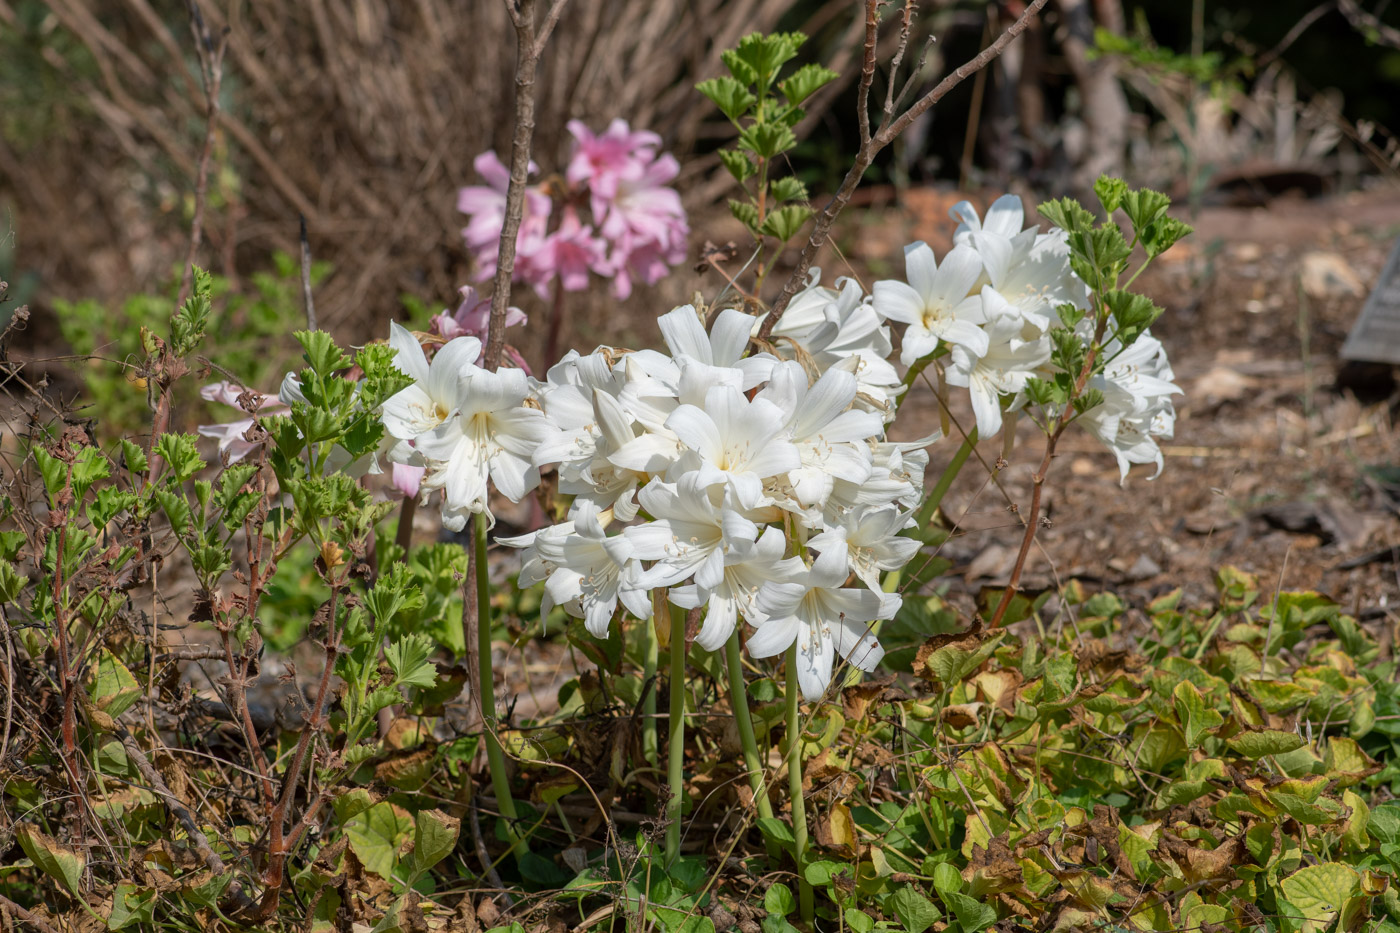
column 60, row 863
column 377, row 835
column 434, row 837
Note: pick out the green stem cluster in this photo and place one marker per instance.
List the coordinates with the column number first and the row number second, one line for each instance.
column 486, row 678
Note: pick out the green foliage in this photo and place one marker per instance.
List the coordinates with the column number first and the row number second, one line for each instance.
column 764, row 111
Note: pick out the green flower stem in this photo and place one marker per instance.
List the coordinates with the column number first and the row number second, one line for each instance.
column 739, row 699
column 486, row 678
column 935, row 497
column 675, row 764
column 650, row 745
column 799, row 809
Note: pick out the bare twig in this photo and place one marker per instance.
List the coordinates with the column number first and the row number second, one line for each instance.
column 529, row 43
column 890, row 128
column 175, row 804
column 306, row 277
column 1369, row 24
column 1292, row 35
column 211, row 66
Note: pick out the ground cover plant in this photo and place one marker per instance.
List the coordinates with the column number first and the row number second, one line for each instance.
column 776, row 720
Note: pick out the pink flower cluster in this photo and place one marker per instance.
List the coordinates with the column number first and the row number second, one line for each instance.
column 614, row 215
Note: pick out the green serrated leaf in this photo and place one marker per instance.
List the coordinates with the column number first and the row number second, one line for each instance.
column 1321, row 891
column 1110, row 192
column 806, row 81
column 409, row 658
column 731, row 97
column 1067, row 214
column 746, row 214
column 786, row 222
column 1143, row 206
column 788, row 189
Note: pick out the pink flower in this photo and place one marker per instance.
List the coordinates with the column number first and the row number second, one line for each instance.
column 602, row 161
column 485, row 205
column 472, row 317
column 569, row 253
column 231, row 433
column 406, row 478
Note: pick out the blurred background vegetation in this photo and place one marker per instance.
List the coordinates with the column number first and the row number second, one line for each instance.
column 364, row 117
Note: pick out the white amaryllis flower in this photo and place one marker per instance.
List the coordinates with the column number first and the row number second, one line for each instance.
column 734, row 441
column 831, row 437
column 1137, row 385
column 825, row 618
column 723, row 347
column 1004, row 219
column 692, row 534
column 432, row 398
column 585, row 570
column 870, row 539
column 736, row 592
column 1029, row 276
column 935, row 302
column 1009, row 362
column 491, row 436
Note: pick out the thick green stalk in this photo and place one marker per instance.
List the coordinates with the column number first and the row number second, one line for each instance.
column 799, row 808
column 486, row 678
column 739, row 700
column 675, row 764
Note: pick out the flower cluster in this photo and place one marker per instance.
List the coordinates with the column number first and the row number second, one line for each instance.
column 711, row 474
column 762, row 485
column 611, row 213
column 994, row 304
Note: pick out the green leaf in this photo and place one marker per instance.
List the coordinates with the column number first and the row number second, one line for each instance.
column 1267, row 742
column 113, row 689
column 785, row 222
column 377, row 835
column 731, row 97
column 1067, row 214
column 434, row 838
column 54, row 472
column 134, row 457
column 1191, row 711
column 207, row 892
column 806, row 81
column 973, row 915
column 778, row 900
column 1132, row 313
column 916, row 912
column 746, row 214
column 820, row 872
column 757, row 58
column 859, row 921
column 767, row 140
column 181, row 455
column 188, row 324
column 1110, row 192
column 409, row 658
column 321, row 353
column 775, row 830
column 1321, row 891
column 1163, row 234
column 176, row 509
column 1143, row 206
column 739, row 165
column 131, row 904
column 60, row 863
column 788, row 189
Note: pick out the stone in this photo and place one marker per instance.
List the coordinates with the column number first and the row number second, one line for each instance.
column 1375, row 337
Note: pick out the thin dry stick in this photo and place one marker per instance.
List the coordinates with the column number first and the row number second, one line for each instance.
column 529, row 42
column 211, row 66
column 890, row 128
column 306, row 277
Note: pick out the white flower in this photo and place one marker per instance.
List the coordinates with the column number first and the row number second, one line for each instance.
column 736, row 592
column 691, row 535
column 1137, row 387
column 871, row 542
column 492, row 435
column 734, row 441
column 1004, row 369
column 432, row 398
column 935, row 303
column 830, row 437
column 825, row 619
column 585, row 570
column 1004, row 219
column 723, row 347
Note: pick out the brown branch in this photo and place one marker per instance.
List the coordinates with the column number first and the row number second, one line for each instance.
column 1369, row 24
column 529, row 43
column 888, row 132
column 211, row 66
column 867, row 68
column 9, row 906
